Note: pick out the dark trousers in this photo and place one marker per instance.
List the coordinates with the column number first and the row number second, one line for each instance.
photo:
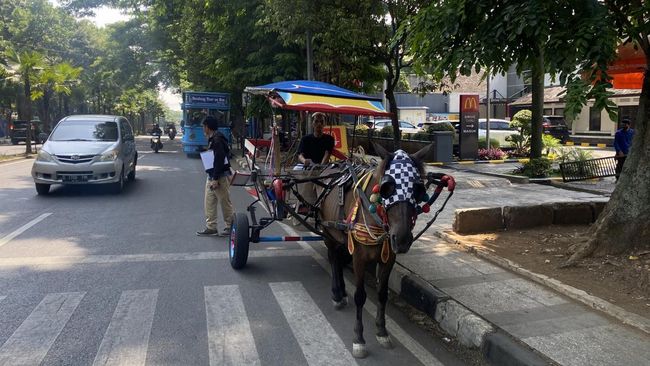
column 620, row 160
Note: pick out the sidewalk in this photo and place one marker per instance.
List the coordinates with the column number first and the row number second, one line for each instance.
column 512, row 319
column 511, row 309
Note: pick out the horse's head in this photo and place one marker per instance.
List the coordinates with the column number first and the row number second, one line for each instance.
column 401, row 188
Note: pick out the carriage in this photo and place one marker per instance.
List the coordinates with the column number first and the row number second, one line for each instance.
column 364, row 211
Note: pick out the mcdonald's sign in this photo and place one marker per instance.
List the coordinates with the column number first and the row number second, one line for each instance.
column 469, row 103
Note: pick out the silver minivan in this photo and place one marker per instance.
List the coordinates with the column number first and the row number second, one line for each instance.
column 87, row 149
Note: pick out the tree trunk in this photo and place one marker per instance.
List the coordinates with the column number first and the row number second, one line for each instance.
column 537, row 107
column 28, row 114
column 390, row 96
column 624, row 225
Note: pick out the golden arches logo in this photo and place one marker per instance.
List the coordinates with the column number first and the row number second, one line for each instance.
column 470, row 103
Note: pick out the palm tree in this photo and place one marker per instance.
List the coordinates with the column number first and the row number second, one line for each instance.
column 24, row 67
column 55, row 79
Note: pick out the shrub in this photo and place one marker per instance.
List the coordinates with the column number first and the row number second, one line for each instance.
column 522, row 122
column 536, row 168
column 494, row 143
column 549, row 144
column 361, row 128
column 566, row 155
column 387, row 131
column 491, row 154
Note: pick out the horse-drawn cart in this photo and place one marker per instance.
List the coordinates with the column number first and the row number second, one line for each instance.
column 363, row 211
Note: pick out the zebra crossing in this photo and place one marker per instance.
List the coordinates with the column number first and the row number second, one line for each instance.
column 126, row 339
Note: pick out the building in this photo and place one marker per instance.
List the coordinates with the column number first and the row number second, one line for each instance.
column 590, row 121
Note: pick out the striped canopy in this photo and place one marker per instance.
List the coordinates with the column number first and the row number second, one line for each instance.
column 316, row 96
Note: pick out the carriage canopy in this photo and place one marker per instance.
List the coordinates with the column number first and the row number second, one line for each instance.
column 316, row 96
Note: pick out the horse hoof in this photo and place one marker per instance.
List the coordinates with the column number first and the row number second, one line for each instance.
column 338, row 305
column 385, row 342
column 359, row 350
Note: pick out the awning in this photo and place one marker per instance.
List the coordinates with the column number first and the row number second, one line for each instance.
column 316, row 96
column 628, row 68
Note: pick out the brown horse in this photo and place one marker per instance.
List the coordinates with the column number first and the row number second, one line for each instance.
column 398, row 218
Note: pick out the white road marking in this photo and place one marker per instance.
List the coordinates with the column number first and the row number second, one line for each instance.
column 23, row 228
column 31, row 341
column 159, row 257
column 394, row 329
column 321, row 347
column 22, row 160
column 127, row 338
column 230, row 339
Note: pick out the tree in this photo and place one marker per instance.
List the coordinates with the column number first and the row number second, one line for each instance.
column 24, row 68
column 363, row 32
column 55, row 79
column 464, row 36
column 623, row 224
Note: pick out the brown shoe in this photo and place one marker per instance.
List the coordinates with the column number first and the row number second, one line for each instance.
column 207, row 232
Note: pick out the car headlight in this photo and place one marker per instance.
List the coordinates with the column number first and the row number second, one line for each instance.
column 44, row 156
column 108, row 156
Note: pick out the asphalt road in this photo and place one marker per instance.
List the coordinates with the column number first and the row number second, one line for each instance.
column 87, row 277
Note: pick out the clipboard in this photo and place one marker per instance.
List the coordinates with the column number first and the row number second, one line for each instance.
column 207, row 157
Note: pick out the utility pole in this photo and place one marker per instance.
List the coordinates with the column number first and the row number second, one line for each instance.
column 487, row 115
column 310, row 74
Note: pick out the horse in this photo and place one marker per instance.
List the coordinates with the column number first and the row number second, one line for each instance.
column 400, row 197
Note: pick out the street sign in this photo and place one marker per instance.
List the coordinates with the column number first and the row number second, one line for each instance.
column 468, row 134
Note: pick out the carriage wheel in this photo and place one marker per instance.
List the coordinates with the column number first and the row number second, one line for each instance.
column 239, row 240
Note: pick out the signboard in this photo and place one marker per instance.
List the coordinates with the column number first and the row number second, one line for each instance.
column 218, row 100
column 340, row 137
column 468, row 134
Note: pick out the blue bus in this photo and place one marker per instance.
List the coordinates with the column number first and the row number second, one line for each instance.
column 195, row 107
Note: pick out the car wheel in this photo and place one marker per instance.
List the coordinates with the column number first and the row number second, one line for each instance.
column 119, row 185
column 131, row 176
column 14, row 142
column 42, row 189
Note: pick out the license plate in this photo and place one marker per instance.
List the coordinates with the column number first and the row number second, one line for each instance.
column 74, row 178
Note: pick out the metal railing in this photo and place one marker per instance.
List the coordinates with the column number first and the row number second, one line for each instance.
column 588, row 169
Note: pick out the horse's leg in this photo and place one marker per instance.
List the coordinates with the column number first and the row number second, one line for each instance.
column 337, row 260
column 359, row 263
column 382, row 292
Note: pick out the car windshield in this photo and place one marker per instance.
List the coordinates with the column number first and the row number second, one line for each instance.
column 555, row 121
column 85, row 131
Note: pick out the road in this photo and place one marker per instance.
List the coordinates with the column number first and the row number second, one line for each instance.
column 90, row 278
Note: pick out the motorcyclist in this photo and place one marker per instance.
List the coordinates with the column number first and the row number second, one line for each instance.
column 155, row 130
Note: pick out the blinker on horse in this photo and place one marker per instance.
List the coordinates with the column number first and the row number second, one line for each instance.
column 379, row 227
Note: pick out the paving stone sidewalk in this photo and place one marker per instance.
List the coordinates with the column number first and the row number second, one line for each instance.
column 560, row 328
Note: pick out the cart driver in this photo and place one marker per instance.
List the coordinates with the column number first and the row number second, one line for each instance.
column 316, row 148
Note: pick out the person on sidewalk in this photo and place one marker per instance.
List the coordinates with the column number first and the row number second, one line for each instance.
column 622, row 144
column 217, row 185
column 314, row 148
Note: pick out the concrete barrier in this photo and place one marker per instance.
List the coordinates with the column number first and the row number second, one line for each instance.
column 478, row 220
column 523, row 217
column 573, row 213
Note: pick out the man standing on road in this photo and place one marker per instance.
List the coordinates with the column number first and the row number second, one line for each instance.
column 622, row 144
column 217, row 185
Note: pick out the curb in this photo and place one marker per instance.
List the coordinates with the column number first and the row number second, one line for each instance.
column 591, row 301
column 586, row 144
column 498, row 347
column 471, row 162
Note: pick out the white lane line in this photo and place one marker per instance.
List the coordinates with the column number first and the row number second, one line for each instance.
column 127, row 258
column 31, row 341
column 127, row 338
column 23, row 228
column 318, row 340
column 394, row 329
column 230, row 339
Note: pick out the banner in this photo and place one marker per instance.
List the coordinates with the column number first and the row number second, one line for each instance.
column 468, row 134
column 340, row 137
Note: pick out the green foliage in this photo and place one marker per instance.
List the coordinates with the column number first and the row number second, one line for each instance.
column 550, row 144
column 386, row 131
column 536, row 168
column 494, row 143
column 566, row 155
column 522, row 122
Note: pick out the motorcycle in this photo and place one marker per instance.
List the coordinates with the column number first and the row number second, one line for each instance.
column 171, row 133
column 156, row 143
